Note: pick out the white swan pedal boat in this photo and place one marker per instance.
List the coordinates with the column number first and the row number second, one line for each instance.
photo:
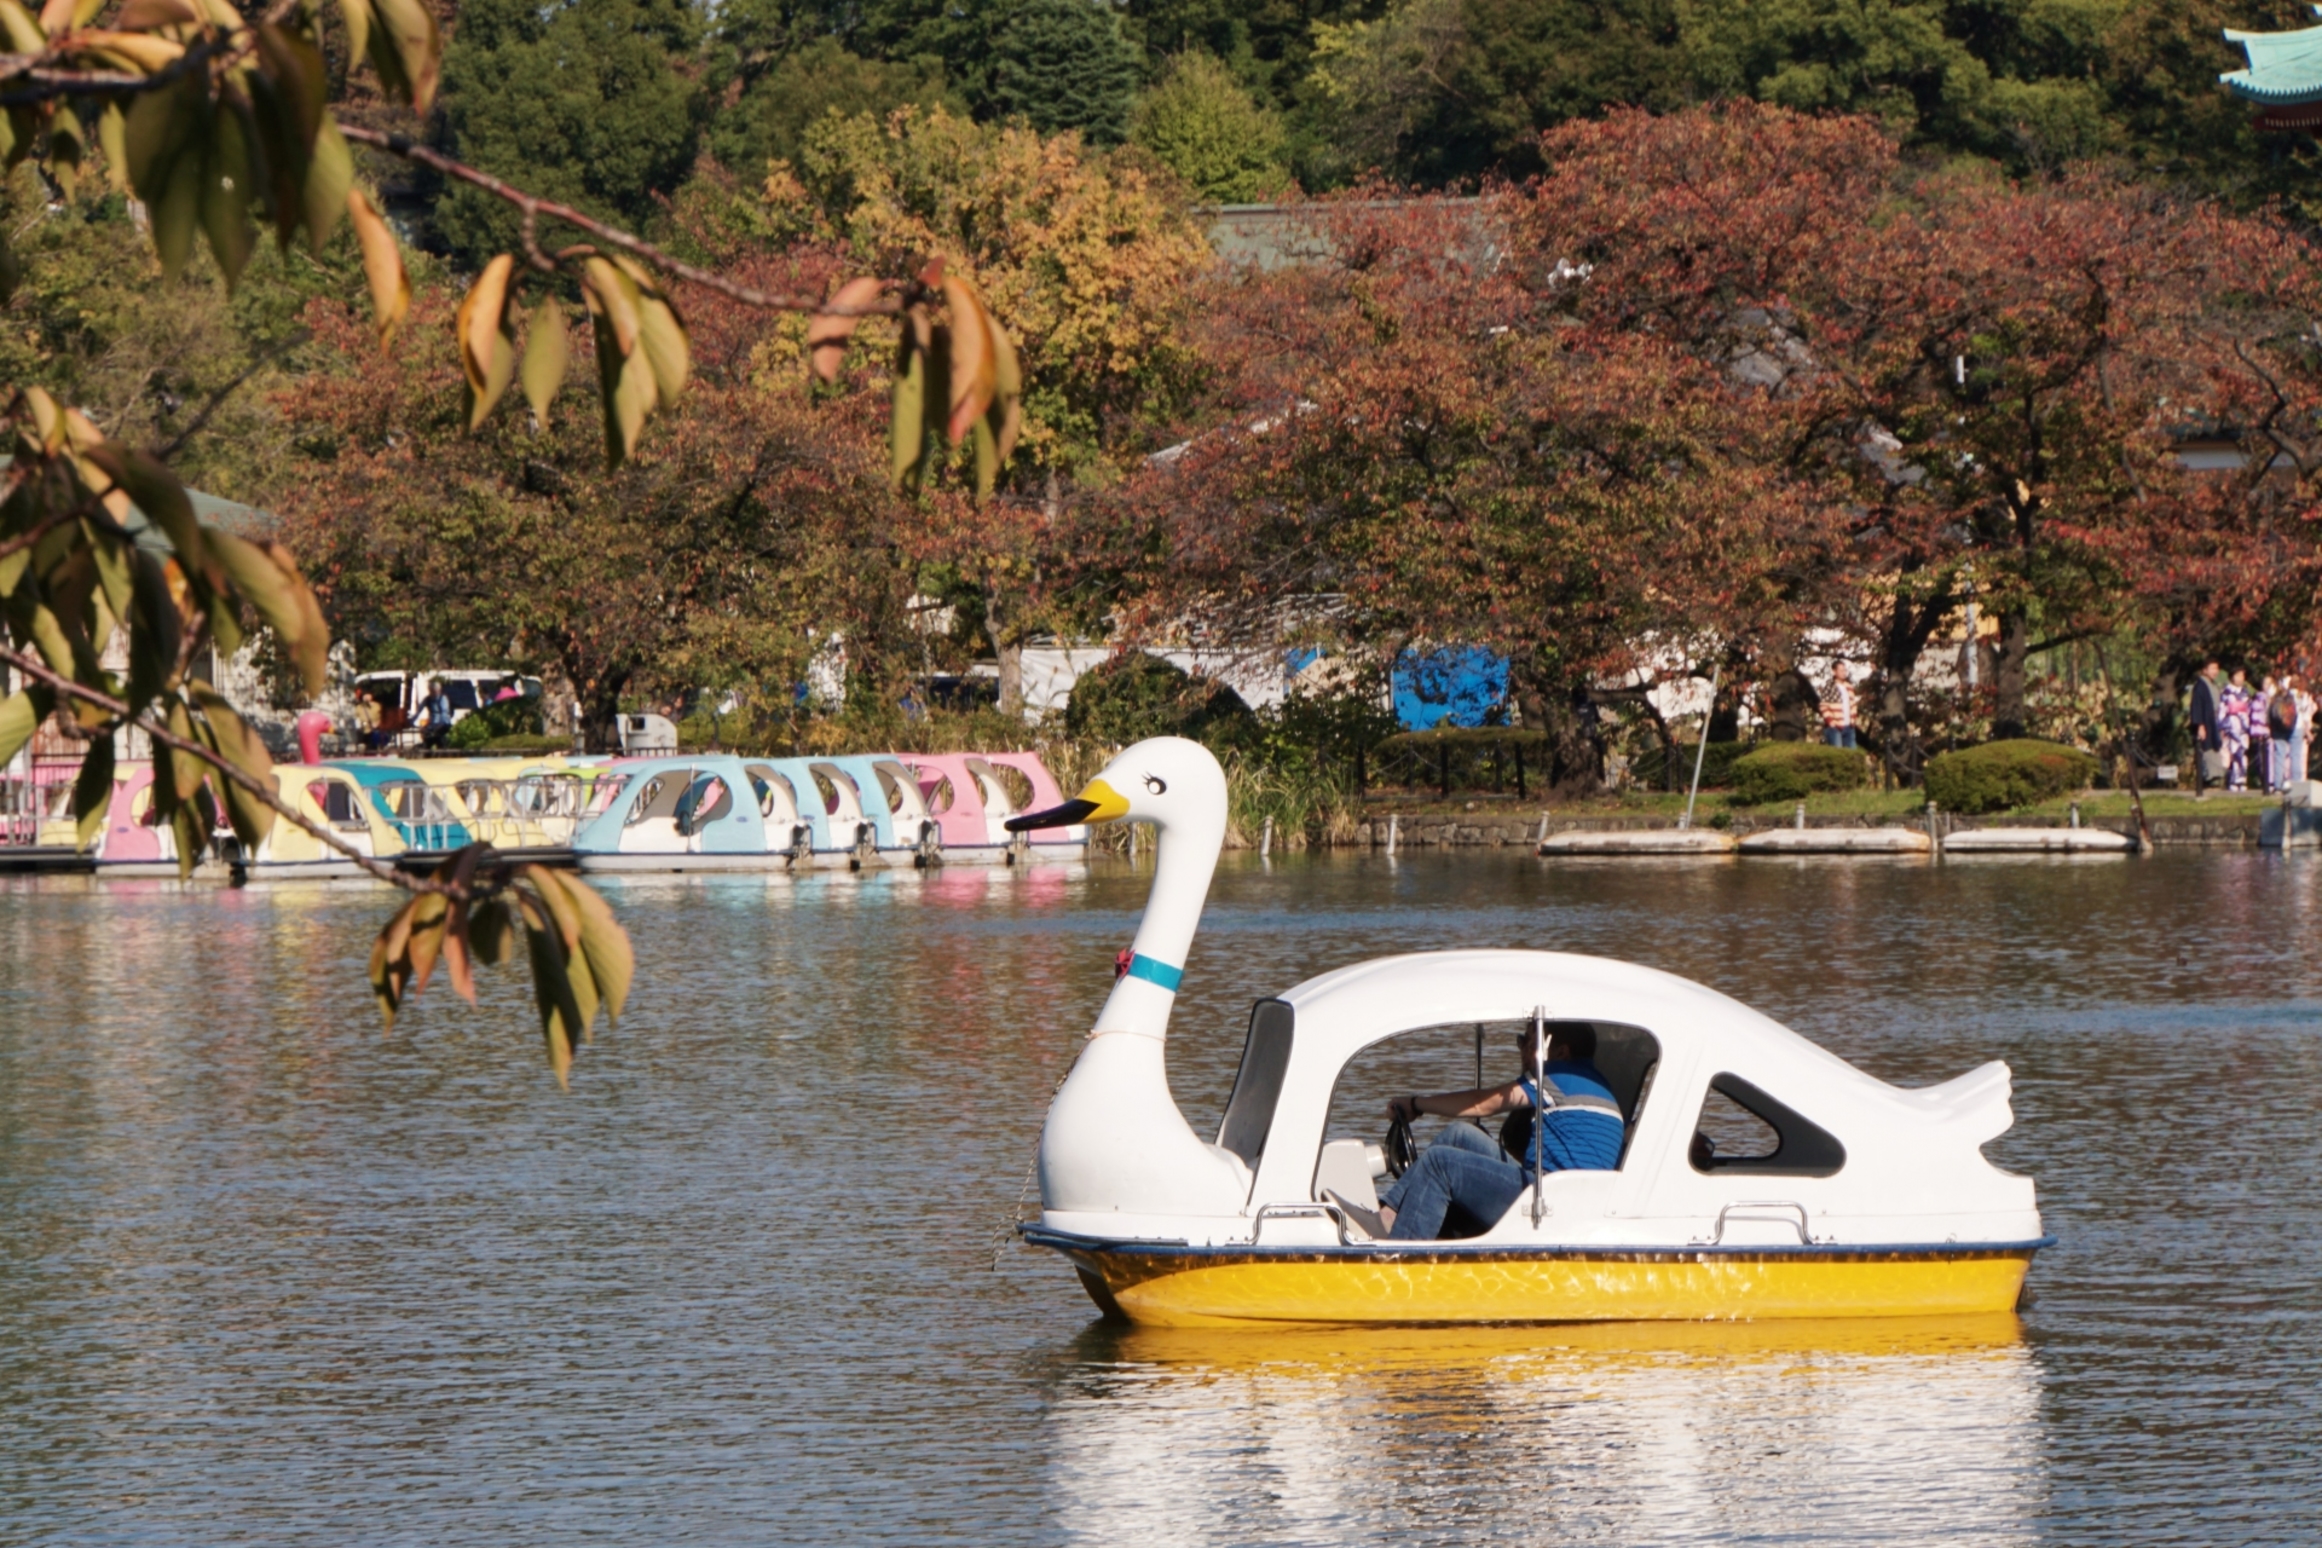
column 1871, row 1200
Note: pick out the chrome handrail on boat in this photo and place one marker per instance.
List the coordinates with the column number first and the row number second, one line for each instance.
column 1299, row 1210
column 1717, row 1237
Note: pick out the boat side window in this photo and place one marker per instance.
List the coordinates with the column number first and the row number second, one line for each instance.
column 1463, row 1056
column 656, row 798
column 1743, row 1128
column 938, row 794
column 1249, row 1111
column 706, row 800
column 898, row 786
column 337, row 803
column 608, row 790
column 1015, row 782
column 776, row 799
column 840, row 797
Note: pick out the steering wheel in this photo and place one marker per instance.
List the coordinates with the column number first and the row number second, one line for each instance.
column 1399, row 1149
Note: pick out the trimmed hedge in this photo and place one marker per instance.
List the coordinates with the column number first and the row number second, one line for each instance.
column 2000, row 775
column 1792, row 771
column 526, row 744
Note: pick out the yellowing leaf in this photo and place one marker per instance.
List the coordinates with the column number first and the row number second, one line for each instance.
column 907, row 429
column 487, row 354
column 20, row 715
column 827, row 335
column 545, row 357
column 616, row 294
column 382, row 265
column 406, row 50
column 330, row 176
column 972, row 367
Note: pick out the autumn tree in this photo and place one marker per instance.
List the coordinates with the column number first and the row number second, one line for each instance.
column 1993, row 369
column 1421, row 447
column 1087, row 260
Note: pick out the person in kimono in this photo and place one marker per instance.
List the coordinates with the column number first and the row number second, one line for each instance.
column 2233, row 712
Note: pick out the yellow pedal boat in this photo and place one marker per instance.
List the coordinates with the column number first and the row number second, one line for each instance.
column 1862, row 1200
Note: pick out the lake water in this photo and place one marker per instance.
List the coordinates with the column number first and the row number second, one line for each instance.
column 266, row 1277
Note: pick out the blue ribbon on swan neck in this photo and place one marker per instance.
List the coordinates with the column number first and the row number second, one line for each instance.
column 1154, row 971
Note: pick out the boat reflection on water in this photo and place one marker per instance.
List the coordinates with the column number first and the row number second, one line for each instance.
column 1841, row 1431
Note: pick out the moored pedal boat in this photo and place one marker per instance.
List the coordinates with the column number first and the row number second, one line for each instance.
column 1856, row 1199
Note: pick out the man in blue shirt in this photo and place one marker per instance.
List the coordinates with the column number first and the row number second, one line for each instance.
column 1581, row 1131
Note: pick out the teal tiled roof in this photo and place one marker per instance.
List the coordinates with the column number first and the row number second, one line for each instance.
column 2285, row 68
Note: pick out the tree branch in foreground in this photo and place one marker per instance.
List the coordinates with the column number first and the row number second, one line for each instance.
column 536, row 209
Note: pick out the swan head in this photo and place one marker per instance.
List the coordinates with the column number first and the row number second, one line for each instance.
column 1164, row 780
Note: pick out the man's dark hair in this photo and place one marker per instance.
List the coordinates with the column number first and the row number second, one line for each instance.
column 1576, row 1038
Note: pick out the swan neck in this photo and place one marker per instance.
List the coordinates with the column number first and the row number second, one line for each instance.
column 1185, row 858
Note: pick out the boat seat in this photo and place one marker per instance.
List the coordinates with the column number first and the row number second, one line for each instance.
column 1346, row 1169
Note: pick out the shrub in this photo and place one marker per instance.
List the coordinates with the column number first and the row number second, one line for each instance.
column 1792, row 771
column 1999, row 775
column 1716, row 766
column 470, row 733
column 1134, row 696
column 527, row 744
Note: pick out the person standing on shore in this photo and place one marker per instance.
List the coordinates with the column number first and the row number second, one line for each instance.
column 1838, row 709
column 2203, row 718
column 2302, row 735
column 2261, row 744
column 2282, row 729
column 2234, row 704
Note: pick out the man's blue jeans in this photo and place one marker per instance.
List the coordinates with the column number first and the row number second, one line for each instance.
column 1838, row 736
column 1463, row 1166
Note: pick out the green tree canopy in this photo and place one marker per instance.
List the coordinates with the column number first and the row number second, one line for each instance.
column 1059, row 65
column 591, row 103
column 1203, row 125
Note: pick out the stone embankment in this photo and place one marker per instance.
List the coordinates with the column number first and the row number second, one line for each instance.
column 1478, row 830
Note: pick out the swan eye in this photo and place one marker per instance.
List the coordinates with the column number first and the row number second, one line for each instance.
column 1155, row 784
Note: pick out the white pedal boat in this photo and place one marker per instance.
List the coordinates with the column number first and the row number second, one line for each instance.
column 1876, row 1201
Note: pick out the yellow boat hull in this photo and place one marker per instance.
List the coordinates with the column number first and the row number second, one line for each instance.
column 1173, row 1288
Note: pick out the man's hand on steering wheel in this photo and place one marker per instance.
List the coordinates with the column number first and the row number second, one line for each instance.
column 1403, row 1109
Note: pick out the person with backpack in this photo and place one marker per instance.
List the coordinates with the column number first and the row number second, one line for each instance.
column 2282, row 725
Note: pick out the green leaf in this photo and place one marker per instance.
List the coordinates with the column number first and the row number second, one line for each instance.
column 330, row 174
column 163, row 129
column 113, row 574
column 113, row 139
column 154, row 629
column 406, row 50
column 20, row 715
column 177, row 212
column 551, row 988
column 357, row 16
column 228, row 181
column 186, row 772
column 907, row 431
column 268, row 577
column 612, row 961
column 24, row 34
column 93, row 791
column 545, row 357
column 252, row 818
